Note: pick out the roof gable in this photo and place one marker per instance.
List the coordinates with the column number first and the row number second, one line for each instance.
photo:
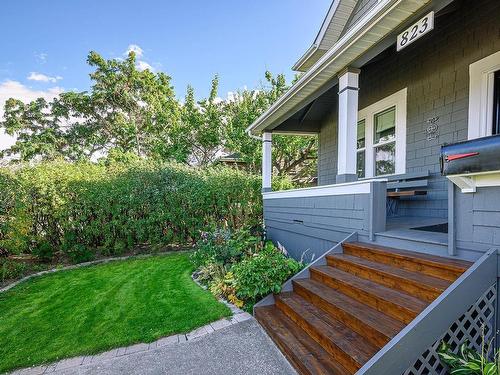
column 332, row 28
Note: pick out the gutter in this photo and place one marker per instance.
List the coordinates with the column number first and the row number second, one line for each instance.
column 253, row 136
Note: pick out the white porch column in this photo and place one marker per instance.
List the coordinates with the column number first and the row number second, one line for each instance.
column 348, row 123
column 267, row 167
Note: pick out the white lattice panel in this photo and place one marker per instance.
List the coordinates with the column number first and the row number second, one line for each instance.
column 467, row 327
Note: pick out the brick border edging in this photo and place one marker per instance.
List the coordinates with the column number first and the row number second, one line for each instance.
column 85, row 264
column 177, row 339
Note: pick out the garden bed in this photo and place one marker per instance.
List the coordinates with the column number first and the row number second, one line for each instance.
column 91, row 309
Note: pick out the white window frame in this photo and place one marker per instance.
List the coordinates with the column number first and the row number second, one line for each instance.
column 398, row 100
column 481, row 84
column 361, row 149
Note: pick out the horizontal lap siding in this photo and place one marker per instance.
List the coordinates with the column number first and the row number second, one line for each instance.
column 307, row 227
column 435, row 69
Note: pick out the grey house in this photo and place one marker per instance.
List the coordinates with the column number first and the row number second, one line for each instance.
column 385, row 85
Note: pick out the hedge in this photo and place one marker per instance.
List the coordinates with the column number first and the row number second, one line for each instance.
column 84, row 209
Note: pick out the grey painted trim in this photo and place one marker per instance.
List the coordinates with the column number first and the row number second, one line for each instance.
column 377, row 212
column 304, row 274
column 343, row 178
column 429, row 325
column 451, row 219
column 266, row 190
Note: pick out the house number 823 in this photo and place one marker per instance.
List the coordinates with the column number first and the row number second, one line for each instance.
column 415, row 31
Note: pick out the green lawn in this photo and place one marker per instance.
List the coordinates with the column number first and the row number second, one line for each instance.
column 92, row 309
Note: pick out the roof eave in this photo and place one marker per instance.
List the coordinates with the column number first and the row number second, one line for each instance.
column 362, row 27
column 297, row 67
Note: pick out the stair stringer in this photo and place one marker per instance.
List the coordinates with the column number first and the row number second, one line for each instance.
column 402, row 351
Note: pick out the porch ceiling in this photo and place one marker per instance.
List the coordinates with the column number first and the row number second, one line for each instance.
column 379, row 22
column 308, row 120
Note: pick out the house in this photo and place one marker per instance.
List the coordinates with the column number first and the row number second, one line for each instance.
column 385, row 85
column 232, row 159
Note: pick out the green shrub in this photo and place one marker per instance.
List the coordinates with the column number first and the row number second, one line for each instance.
column 85, row 209
column 240, row 267
column 11, row 269
column 263, row 273
column 224, row 247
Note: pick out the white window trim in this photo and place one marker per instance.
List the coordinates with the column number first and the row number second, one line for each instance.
column 481, row 82
column 398, row 100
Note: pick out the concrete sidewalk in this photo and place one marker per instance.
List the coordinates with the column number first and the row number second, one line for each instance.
column 234, row 346
column 241, row 348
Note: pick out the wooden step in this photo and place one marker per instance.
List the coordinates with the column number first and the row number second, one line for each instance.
column 363, row 319
column 394, row 303
column 431, row 265
column 417, row 284
column 346, row 346
column 307, row 356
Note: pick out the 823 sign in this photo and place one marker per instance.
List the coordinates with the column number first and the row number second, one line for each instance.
column 415, row 31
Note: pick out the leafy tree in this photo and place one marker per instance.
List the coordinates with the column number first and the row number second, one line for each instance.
column 203, row 128
column 294, row 156
column 126, row 109
column 130, row 110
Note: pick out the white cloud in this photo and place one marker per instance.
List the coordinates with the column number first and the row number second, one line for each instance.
column 14, row 89
column 41, row 57
column 39, row 77
column 136, row 49
column 143, row 65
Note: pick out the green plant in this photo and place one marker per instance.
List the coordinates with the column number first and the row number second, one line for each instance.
column 468, row 361
column 224, row 247
column 10, row 269
column 263, row 273
column 86, row 209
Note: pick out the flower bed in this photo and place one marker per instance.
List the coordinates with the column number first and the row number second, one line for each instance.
column 240, row 267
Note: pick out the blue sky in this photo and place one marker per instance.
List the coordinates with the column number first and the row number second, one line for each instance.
column 45, row 43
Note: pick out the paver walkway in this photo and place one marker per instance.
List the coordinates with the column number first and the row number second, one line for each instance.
column 229, row 346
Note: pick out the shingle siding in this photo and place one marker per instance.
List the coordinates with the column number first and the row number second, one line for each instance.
column 478, row 218
column 435, row 71
column 327, row 155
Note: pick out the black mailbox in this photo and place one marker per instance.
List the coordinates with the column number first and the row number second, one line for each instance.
column 476, row 155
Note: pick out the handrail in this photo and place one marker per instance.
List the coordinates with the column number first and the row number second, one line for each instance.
column 429, row 325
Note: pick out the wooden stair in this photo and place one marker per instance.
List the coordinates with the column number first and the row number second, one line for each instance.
column 336, row 320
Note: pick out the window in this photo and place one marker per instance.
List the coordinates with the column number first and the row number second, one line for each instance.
column 484, row 97
column 382, row 149
column 385, row 142
column 496, row 104
column 360, row 157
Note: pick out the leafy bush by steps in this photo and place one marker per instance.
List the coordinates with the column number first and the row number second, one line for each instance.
column 84, row 209
column 240, row 267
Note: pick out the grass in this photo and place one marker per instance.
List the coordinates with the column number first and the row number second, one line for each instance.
column 93, row 309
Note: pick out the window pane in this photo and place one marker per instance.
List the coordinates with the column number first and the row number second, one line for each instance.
column 361, row 134
column 360, row 164
column 385, row 125
column 385, row 159
column 496, row 104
